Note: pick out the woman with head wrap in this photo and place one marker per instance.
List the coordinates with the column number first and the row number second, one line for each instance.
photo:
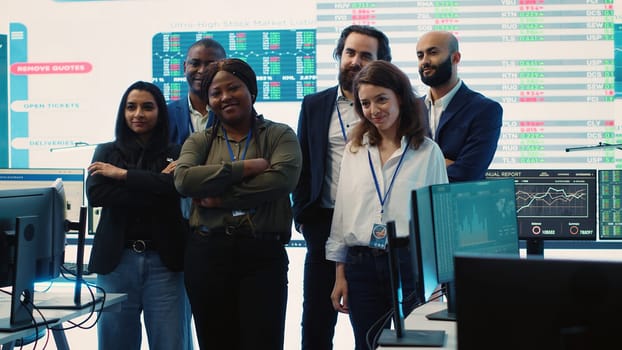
column 240, row 173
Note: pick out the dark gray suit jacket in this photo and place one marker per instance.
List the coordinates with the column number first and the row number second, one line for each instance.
column 313, row 124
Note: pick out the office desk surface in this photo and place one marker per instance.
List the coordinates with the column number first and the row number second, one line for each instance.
column 417, row 320
column 60, row 315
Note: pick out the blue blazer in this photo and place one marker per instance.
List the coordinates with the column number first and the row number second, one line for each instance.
column 313, row 123
column 179, row 120
column 468, row 133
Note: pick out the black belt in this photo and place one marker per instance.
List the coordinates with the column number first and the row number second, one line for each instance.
column 140, row 245
column 400, row 242
column 236, row 232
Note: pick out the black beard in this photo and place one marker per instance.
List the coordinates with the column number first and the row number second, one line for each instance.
column 441, row 75
column 346, row 78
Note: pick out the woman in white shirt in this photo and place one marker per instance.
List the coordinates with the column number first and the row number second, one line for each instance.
column 387, row 157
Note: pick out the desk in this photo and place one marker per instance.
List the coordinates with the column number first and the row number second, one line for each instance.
column 7, row 339
column 417, row 320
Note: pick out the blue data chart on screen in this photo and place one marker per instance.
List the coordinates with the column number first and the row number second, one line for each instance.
column 554, row 204
column 610, row 204
column 476, row 217
column 283, row 60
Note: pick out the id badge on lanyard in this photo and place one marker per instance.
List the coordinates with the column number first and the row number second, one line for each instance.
column 378, row 237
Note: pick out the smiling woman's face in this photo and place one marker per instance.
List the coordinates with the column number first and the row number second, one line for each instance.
column 230, row 99
column 381, row 107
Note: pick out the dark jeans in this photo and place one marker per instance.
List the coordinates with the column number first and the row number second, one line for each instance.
column 318, row 315
column 238, row 291
column 369, row 291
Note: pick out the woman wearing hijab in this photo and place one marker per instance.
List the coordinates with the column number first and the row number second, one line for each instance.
column 139, row 242
column 240, row 173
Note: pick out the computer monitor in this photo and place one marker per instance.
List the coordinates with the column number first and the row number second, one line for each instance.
column 422, row 249
column 73, row 184
column 537, row 303
column 46, row 203
column 32, row 243
column 553, row 204
column 474, row 216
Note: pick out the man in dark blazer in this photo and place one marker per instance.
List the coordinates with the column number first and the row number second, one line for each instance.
column 323, row 124
column 190, row 113
column 464, row 123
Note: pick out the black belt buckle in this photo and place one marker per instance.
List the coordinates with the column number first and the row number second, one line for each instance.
column 139, row 246
column 230, row 230
column 202, row 230
column 378, row 251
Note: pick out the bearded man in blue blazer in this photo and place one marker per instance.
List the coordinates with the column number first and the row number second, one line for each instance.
column 464, row 123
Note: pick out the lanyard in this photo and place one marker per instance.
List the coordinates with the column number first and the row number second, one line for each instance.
column 373, row 173
column 343, row 129
column 248, row 139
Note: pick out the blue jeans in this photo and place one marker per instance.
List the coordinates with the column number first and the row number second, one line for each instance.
column 369, row 291
column 318, row 315
column 153, row 290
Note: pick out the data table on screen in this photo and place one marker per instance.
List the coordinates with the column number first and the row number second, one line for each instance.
column 551, row 64
column 284, row 60
column 610, row 204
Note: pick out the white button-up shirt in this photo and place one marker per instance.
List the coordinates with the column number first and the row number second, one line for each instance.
column 358, row 208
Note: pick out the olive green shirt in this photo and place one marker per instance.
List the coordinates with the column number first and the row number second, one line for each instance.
column 259, row 203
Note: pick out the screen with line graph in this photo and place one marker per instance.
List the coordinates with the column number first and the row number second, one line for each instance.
column 554, row 204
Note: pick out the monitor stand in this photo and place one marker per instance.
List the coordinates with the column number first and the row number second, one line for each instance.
column 535, row 247
column 448, row 314
column 21, row 316
column 412, row 337
column 401, row 336
column 77, row 300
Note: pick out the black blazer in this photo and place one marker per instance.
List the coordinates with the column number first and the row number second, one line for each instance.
column 143, row 190
column 313, row 123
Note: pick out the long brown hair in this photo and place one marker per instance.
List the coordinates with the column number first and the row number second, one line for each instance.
column 412, row 111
